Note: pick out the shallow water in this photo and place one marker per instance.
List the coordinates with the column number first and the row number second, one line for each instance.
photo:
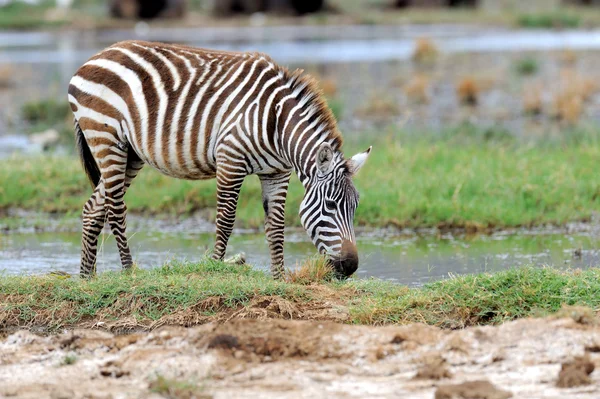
column 411, row 260
column 298, row 45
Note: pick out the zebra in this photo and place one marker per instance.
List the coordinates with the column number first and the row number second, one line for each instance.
column 196, row 114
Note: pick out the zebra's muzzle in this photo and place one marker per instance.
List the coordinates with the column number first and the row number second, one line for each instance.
column 347, row 262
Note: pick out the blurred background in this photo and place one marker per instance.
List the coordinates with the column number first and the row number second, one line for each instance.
column 514, row 67
column 480, row 80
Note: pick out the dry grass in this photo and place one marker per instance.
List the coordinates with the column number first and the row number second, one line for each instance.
column 6, row 76
column 417, row 89
column 574, row 90
column 583, row 86
column 532, row 99
column 468, row 90
column 379, row 106
column 425, row 51
column 568, row 57
column 568, row 106
column 329, row 87
column 176, row 389
column 313, row 270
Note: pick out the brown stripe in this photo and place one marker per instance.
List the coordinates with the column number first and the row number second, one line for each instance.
column 95, row 103
column 112, row 81
column 221, row 99
column 184, row 75
column 147, row 88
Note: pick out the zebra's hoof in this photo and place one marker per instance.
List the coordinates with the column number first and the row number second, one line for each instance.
column 238, row 259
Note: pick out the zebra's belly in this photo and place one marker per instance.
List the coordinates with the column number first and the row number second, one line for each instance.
column 181, row 167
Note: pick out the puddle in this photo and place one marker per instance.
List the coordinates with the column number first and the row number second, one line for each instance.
column 408, row 260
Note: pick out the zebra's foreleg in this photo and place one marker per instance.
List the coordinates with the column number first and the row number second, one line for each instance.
column 93, row 222
column 274, row 193
column 229, row 183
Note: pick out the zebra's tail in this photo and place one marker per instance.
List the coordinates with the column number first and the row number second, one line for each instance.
column 87, row 159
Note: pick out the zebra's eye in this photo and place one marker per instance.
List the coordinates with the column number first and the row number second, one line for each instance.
column 330, row 204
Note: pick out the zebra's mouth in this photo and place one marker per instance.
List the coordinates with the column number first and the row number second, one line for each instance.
column 346, row 263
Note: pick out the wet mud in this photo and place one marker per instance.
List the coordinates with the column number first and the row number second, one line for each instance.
column 246, row 358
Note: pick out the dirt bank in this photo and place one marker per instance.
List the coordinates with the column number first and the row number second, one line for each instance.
column 292, row 359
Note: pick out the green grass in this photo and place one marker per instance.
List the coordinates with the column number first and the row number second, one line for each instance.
column 464, row 178
column 555, row 19
column 50, row 111
column 479, row 299
column 68, row 360
column 177, row 389
column 90, row 14
column 527, row 66
column 19, row 15
column 199, row 291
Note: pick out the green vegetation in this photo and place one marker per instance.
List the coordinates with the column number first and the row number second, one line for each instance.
column 557, row 19
column 465, row 177
column 68, row 360
column 314, row 270
column 49, row 114
column 176, row 389
column 19, row 15
column 48, row 111
column 191, row 293
column 527, row 66
column 478, row 299
column 93, row 14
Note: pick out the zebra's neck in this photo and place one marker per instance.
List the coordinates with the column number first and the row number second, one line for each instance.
column 304, row 122
column 299, row 140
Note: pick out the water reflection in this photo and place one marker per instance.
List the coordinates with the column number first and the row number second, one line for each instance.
column 409, row 260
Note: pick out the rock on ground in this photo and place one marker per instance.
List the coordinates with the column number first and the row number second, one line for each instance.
column 307, row 359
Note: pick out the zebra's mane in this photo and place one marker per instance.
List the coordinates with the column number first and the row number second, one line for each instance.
column 311, row 93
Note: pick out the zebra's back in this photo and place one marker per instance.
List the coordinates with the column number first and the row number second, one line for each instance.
column 172, row 104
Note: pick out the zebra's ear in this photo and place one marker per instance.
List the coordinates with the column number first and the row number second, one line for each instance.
column 357, row 161
column 324, row 157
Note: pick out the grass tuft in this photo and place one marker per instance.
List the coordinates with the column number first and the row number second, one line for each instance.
column 425, row 51
column 417, row 89
column 313, row 270
column 527, row 66
column 468, row 91
column 176, row 389
column 69, row 360
column 568, row 106
column 532, row 99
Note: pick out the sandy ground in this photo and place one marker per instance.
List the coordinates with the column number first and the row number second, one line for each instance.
column 307, row 359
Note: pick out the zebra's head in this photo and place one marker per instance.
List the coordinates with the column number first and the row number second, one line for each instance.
column 327, row 210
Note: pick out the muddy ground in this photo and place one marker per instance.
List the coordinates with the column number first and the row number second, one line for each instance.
column 248, row 358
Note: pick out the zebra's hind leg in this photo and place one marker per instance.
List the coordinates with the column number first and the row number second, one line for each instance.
column 117, row 210
column 274, row 193
column 118, row 178
column 93, row 222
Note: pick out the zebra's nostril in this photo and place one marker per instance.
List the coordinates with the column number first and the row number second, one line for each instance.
column 347, row 262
